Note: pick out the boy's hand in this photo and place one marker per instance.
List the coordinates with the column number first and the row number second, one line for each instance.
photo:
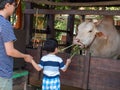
column 69, row 61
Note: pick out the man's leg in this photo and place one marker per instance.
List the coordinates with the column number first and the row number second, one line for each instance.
column 5, row 84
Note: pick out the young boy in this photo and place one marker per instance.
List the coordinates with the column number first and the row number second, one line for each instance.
column 7, row 50
column 51, row 64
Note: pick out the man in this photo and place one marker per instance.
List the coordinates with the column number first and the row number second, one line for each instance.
column 7, row 50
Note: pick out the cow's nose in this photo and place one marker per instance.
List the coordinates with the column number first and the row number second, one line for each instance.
column 75, row 41
column 78, row 40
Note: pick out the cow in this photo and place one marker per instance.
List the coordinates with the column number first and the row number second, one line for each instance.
column 102, row 38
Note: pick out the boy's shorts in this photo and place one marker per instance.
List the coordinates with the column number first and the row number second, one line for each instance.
column 51, row 83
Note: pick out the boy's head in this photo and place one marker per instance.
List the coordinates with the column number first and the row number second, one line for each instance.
column 3, row 3
column 50, row 45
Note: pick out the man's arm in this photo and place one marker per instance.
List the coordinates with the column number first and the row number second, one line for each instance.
column 11, row 51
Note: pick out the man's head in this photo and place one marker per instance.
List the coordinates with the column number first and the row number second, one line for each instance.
column 4, row 2
column 50, row 45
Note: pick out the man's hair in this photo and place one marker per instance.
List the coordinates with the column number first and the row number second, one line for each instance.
column 50, row 45
column 3, row 3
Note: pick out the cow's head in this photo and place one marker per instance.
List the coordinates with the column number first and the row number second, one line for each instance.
column 87, row 31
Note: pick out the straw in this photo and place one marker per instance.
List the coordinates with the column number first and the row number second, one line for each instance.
column 66, row 47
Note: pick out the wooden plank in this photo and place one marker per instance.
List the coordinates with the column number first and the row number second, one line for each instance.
column 104, row 74
column 58, row 30
column 36, row 54
column 75, row 12
column 20, row 78
column 73, row 4
column 75, row 73
column 87, row 62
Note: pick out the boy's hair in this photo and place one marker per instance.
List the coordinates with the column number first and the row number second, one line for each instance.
column 3, row 3
column 50, row 45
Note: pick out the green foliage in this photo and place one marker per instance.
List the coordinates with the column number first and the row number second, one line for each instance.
column 112, row 8
column 60, row 25
column 23, row 5
column 62, row 8
column 57, row 35
column 75, row 50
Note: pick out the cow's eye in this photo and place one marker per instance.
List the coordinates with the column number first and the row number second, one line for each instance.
column 90, row 31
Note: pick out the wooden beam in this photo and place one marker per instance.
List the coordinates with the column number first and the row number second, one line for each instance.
column 100, row 3
column 64, row 31
column 75, row 12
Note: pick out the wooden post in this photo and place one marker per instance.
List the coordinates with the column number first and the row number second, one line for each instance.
column 50, row 25
column 28, row 24
column 70, row 28
column 86, row 70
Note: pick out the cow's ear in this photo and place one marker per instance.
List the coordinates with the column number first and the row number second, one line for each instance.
column 97, row 23
column 99, row 34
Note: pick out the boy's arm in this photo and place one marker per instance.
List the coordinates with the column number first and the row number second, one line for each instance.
column 67, row 65
column 36, row 66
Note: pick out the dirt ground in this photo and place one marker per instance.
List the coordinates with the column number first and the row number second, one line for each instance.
column 29, row 87
column 62, row 88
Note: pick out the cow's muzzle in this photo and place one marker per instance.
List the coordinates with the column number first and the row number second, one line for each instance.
column 78, row 42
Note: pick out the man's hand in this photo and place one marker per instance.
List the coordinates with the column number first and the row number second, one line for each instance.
column 28, row 58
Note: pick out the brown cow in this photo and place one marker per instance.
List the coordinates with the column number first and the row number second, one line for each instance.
column 103, row 38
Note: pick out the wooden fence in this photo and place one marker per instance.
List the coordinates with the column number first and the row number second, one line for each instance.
column 92, row 73
column 86, row 72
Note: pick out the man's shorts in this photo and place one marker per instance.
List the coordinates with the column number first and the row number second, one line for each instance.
column 5, row 84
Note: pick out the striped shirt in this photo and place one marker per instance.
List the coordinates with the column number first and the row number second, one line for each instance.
column 6, row 35
column 51, row 64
